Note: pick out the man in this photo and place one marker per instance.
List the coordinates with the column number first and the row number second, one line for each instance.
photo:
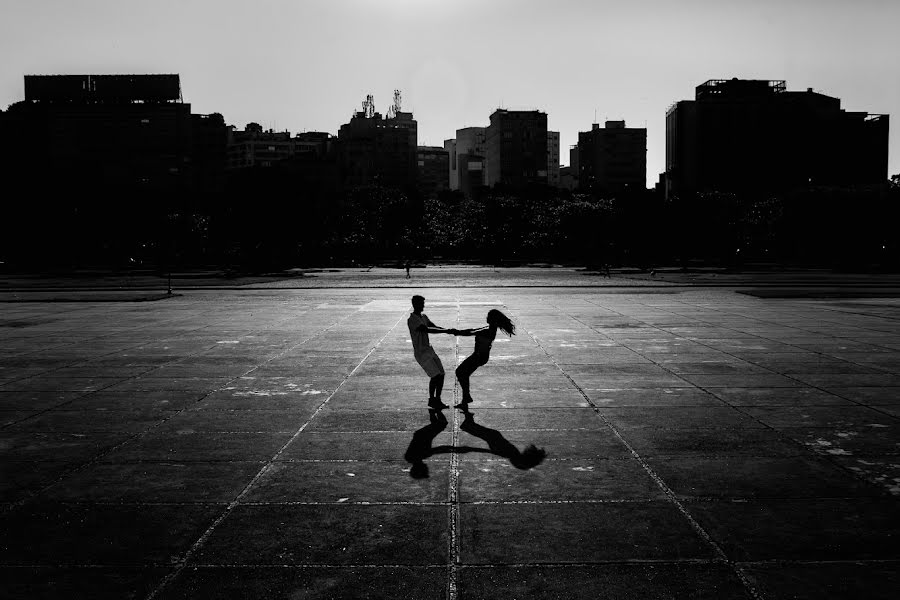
column 419, row 328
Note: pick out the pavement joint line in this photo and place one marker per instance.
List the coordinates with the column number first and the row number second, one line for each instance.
column 453, row 521
column 182, row 563
column 812, row 561
column 156, row 425
column 394, row 460
column 442, row 566
column 746, row 581
column 851, row 312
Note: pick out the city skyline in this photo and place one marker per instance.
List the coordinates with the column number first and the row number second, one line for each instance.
column 307, row 67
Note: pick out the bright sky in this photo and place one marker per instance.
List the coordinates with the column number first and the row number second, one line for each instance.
column 308, row 64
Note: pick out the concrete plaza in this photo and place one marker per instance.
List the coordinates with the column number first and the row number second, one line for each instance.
column 699, row 443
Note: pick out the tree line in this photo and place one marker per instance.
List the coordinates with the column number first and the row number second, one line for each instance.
column 263, row 220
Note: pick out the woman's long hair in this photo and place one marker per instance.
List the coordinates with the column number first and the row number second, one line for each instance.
column 495, row 317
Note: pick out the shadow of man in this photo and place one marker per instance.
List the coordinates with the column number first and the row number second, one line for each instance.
column 529, row 458
column 420, row 447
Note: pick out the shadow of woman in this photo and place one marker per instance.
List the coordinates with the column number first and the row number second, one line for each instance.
column 528, row 458
column 421, row 448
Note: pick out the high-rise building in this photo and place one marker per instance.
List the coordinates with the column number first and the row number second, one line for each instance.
column 746, row 134
column 209, row 147
column 102, row 132
column 574, row 165
column 612, row 159
column 516, row 144
column 433, row 173
column 107, row 160
column 313, row 142
column 452, row 173
column 470, row 154
column 254, row 147
column 553, row 158
column 372, row 149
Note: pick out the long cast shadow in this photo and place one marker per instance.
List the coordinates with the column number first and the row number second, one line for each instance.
column 421, row 448
column 528, row 458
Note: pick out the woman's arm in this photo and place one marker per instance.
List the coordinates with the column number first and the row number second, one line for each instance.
column 474, row 331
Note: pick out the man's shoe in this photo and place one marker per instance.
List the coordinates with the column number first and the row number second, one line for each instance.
column 436, row 404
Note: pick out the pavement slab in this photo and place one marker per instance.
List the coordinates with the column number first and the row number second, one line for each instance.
column 604, row 581
column 63, row 583
column 576, row 532
column 329, row 534
column 629, row 442
column 814, row 581
column 803, row 529
column 309, row 583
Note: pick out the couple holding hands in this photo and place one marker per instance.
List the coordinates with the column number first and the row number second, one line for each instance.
column 419, row 328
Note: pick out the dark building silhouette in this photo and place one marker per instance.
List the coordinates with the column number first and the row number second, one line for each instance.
column 254, row 147
column 516, row 143
column 376, row 150
column 574, row 166
column 318, row 143
column 109, row 163
column 745, row 135
column 613, row 159
column 568, row 179
column 433, row 169
column 209, row 142
column 553, row 158
column 104, row 131
column 467, row 160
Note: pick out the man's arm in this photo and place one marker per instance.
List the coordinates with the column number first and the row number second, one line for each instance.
column 435, row 329
column 432, row 328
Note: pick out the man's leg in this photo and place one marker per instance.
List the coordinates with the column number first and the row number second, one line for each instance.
column 436, row 386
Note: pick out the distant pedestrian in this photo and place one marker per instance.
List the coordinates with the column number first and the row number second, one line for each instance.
column 419, row 328
column 484, row 338
column 407, row 269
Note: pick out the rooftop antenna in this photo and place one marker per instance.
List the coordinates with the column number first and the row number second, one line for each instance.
column 595, row 115
column 368, row 106
column 395, row 107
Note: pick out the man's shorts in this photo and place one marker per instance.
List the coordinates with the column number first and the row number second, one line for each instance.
column 429, row 360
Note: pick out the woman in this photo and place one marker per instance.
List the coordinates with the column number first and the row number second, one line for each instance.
column 484, row 337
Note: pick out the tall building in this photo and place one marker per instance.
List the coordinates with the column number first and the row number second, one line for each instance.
column 553, row 158
column 104, row 131
column 254, row 147
column 108, row 161
column 209, row 147
column 313, row 142
column 452, row 174
column 613, row 159
column 747, row 134
column 372, row 149
column 516, row 144
column 467, row 162
column 574, row 165
column 433, row 172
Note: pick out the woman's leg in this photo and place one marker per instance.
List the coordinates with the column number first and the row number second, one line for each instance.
column 463, row 372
